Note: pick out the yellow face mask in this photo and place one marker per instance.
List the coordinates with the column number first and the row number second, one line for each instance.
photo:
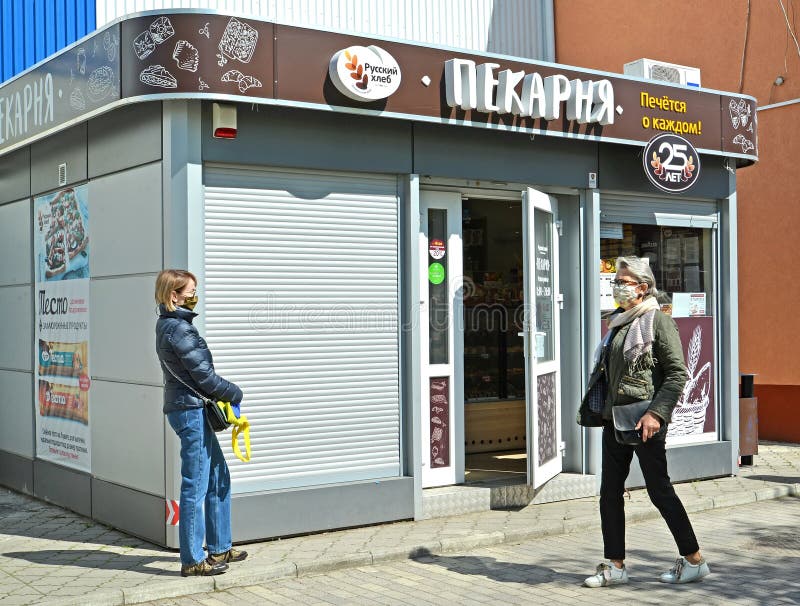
column 190, row 302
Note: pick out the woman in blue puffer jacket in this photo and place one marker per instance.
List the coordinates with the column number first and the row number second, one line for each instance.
column 205, row 504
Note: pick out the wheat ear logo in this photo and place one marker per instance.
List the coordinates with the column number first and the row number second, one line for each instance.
column 364, row 73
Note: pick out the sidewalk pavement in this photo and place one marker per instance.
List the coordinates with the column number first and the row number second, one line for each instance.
column 55, row 557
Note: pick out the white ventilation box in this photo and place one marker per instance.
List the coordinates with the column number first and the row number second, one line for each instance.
column 666, row 72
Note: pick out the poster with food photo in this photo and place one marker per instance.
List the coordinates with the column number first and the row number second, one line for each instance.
column 61, row 256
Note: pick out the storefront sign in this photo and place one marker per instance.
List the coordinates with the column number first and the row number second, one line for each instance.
column 214, row 56
column 440, row 422
column 76, row 81
column 364, row 73
column 694, row 416
column 671, row 163
column 61, row 251
column 478, row 87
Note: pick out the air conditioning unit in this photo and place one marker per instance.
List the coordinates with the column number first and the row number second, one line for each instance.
column 666, row 72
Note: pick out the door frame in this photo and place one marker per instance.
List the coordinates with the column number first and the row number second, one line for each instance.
column 454, row 368
column 534, row 200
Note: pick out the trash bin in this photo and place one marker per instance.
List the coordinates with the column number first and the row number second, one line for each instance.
column 748, row 420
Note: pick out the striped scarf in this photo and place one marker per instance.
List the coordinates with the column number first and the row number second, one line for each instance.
column 638, row 347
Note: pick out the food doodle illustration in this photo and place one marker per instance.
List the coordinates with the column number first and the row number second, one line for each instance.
column 145, row 43
column 238, row 42
column 245, row 82
column 186, row 56
column 439, row 419
column 77, row 100
column 689, row 416
column 203, row 31
column 101, row 83
column 80, row 58
column 110, row 44
column 740, row 113
column 746, row 143
column 157, row 75
column 202, row 84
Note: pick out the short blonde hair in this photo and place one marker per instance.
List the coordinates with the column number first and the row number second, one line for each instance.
column 169, row 281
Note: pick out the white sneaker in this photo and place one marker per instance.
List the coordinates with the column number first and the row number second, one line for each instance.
column 607, row 574
column 684, row 572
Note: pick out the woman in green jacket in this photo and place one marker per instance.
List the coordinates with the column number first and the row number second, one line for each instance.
column 640, row 358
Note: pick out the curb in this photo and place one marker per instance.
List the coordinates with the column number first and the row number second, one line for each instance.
column 280, row 570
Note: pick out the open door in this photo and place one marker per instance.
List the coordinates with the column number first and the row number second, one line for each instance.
column 541, row 334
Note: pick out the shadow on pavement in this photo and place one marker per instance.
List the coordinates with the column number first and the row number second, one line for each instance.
column 778, row 479
column 99, row 559
column 501, row 571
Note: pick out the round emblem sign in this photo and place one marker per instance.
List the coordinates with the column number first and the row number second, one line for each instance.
column 671, row 163
column 436, row 248
column 436, row 273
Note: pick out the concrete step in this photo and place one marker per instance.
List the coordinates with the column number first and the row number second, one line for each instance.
column 501, row 494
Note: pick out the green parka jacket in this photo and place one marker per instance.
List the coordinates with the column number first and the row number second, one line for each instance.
column 662, row 383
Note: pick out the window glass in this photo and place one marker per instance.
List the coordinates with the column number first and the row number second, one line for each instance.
column 439, row 307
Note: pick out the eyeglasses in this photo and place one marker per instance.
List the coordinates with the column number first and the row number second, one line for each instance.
column 187, row 294
column 624, row 283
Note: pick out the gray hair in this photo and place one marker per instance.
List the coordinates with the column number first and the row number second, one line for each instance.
column 639, row 268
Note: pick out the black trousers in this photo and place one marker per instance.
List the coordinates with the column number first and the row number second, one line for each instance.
column 653, row 462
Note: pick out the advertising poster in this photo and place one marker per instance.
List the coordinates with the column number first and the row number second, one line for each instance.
column 61, row 251
column 694, row 418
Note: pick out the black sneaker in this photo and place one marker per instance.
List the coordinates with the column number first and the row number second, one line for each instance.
column 232, row 555
column 204, row 568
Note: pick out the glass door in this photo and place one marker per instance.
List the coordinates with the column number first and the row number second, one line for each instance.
column 541, row 336
column 441, row 374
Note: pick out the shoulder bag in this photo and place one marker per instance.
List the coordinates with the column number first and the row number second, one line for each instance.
column 216, row 416
column 626, row 417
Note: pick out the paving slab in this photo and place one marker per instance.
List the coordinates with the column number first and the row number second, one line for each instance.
column 52, row 556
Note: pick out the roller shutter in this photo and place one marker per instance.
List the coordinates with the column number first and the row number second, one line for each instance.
column 658, row 211
column 301, row 310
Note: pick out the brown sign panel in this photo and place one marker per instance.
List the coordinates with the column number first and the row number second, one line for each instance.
column 190, row 53
column 75, row 82
column 440, row 422
column 196, row 53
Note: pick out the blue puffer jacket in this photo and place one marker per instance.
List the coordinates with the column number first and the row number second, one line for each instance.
column 180, row 346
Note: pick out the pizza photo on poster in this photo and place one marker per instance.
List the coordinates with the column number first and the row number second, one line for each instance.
column 671, row 163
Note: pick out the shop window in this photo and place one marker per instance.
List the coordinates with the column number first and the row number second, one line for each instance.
column 682, row 261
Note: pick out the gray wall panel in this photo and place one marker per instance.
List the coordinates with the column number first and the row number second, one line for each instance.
column 18, row 410
column 63, row 486
column 474, row 153
column 137, row 408
column 298, row 138
column 690, row 462
column 123, row 330
column 16, row 472
column 131, row 511
column 15, row 175
column 15, row 243
column 621, row 170
column 126, row 137
column 68, row 147
column 125, row 222
column 281, row 513
column 16, row 327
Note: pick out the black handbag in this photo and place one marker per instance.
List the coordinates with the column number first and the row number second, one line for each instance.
column 215, row 416
column 626, row 417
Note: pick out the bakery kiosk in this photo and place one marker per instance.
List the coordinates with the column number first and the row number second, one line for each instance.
column 403, row 255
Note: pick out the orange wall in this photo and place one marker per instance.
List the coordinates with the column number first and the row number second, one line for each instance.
column 711, row 35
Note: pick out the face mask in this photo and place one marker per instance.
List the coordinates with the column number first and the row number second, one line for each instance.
column 190, row 302
column 625, row 294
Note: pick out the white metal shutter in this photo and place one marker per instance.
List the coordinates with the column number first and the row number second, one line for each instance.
column 658, row 211
column 301, row 310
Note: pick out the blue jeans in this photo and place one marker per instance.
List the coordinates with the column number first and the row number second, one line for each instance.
column 205, row 507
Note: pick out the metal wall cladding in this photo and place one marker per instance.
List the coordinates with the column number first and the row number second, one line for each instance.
column 31, row 30
column 522, row 28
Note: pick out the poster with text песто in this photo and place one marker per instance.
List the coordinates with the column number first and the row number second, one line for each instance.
column 61, row 259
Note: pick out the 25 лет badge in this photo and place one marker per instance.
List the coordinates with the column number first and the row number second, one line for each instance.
column 671, row 163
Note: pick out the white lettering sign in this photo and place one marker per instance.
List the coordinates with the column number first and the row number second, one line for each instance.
column 480, row 87
column 30, row 106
